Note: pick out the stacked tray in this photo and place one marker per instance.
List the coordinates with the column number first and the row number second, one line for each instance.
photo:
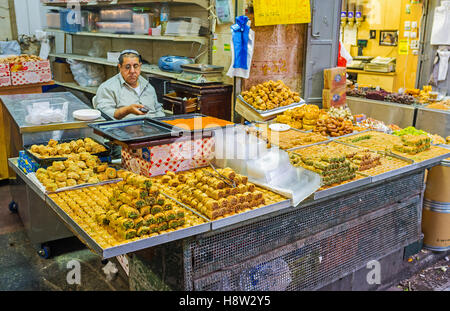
column 135, row 130
column 270, row 112
column 45, row 162
column 87, row 225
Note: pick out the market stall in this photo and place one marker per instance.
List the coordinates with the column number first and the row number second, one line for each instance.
column 231, row 223
column 41, row 225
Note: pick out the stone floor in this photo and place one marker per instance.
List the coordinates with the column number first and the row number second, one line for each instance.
column 21, row 268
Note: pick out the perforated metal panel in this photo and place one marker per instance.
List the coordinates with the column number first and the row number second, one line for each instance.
column 318, row 260
column 300, row 248
column 218, row 250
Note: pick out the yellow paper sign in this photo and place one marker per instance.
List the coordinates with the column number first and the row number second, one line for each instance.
column 277, row 12
column 403, row 47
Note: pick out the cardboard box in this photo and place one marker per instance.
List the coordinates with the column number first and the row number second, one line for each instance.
column 31, row 77
column 30, row 66
column 334, row 78
column 4, row 70
column 62, row 72
column 5, row 81
column 177, row 156
column 334, row 98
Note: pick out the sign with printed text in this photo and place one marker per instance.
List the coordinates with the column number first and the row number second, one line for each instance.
column 277, row 12
column 403, row 47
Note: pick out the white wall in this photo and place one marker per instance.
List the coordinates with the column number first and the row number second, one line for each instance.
column 30, row 15
column 5, row 21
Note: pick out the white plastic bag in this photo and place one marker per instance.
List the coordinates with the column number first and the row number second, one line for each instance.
column 86, row 74
column 10, row 48
column 441, row 25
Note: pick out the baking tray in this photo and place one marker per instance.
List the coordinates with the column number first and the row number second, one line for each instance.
column 124, row 248
column 243, row 216
column 191, row 116
column 409, row 167
column 44, row 163
column 274, row 111
column 134, row 130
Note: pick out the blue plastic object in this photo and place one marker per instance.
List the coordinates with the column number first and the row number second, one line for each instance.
column 13, row 207
column 173, row 63
column 69, row 20
column 240, row 36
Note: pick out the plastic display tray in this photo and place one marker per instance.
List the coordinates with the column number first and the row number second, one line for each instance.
column 135, row 130
column 272, row 111
column 46, row 162
column 190, row 116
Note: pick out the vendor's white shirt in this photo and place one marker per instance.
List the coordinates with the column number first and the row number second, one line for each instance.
column 138, row 89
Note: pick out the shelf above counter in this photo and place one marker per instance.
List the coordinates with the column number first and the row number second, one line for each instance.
column 76, row 86
column 147, row 68
column 202, row 3
column 200, row 40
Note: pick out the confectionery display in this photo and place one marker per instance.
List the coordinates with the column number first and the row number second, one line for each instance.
column 340, row 112
column 334, row 127
column 53, row 149
column 20, row 59
column 411, row 147
column 288, row 139
column 304, row 117
column 100, row 212
column 78, row 169
column 270, row 95
column 215, row 194
column 411, row 130
column 331, row 161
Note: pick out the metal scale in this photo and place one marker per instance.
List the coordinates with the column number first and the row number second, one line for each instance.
column 201, row 73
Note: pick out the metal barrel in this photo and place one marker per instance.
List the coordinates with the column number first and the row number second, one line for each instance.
column 436, row 225
column 438, row 183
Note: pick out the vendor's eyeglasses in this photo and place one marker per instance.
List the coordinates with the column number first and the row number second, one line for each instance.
column 135, row 66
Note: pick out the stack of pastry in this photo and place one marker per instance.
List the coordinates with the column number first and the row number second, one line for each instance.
column 137, row 208
column 366, row 160
column 334, row 167
column 55, row 149
column 211, row 194
column 413, row 144
column 78, row 169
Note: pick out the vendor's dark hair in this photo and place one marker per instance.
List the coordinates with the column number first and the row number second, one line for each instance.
column 122, row 56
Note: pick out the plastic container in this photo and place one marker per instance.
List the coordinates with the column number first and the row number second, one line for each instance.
column 46, row 111
column 164, row 17
column 68, row 20
column 117, row 27
column 141, row 23
column 89, row 21
column 53, row 20
column 116, row 15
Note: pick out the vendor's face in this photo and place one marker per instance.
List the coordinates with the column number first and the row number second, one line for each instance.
column 130, row 69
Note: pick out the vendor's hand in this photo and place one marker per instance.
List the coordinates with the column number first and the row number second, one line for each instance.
column 134, row 109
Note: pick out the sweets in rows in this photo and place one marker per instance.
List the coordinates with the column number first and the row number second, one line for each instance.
column 215, row 196
column 55, row 149
column 270, row 95
column 78, row 169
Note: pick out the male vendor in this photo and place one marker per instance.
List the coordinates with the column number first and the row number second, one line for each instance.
column 127, row 95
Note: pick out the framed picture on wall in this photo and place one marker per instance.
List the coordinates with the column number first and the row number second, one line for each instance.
column 388, row 37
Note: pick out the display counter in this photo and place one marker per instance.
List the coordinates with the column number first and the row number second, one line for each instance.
column 389, row 113
column 17, row 132
column 433, row 121
column 279, row 246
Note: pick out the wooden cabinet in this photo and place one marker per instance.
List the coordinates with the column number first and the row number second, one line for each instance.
column 384, row 81
column 213, row 99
